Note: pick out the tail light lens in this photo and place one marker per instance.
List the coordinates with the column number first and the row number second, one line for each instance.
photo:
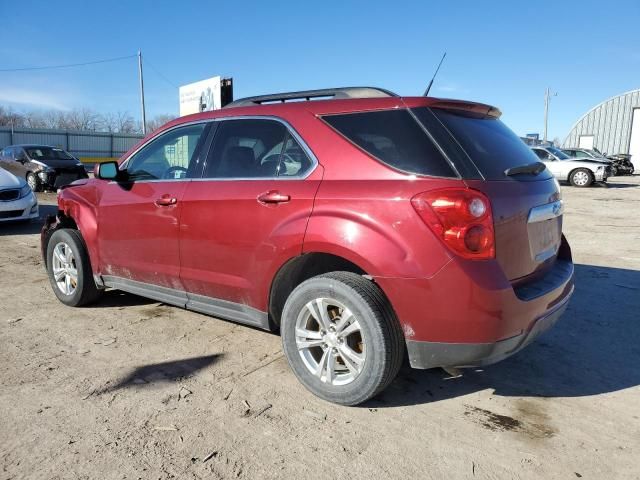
column 461, row 218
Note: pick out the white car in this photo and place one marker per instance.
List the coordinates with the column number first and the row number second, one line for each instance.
column 17, row 200
column 579, row 172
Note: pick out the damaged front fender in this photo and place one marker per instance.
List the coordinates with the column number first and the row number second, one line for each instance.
column 51, row 224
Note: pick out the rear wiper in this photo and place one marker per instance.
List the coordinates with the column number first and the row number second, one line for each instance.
column 533, row 168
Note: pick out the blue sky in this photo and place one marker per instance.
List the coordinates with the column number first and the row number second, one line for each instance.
column 503, row 52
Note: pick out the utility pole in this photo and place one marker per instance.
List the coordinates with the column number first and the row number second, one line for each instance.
column 144, row 115
column 547, row 100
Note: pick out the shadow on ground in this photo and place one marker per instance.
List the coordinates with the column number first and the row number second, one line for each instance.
column 155, row 373
column 29, row 227
column 118, row 298
column 622, row 185
column 593, row 349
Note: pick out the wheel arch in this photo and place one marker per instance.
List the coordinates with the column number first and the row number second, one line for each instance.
column 301, row 268
column 77, row 214
column 51, row 225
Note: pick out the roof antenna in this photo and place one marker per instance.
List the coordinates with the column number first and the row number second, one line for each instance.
column 426, row 92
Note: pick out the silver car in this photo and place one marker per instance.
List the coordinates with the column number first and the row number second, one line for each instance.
column 580, row 172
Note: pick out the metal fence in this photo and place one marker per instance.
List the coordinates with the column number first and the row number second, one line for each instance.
column 89, row 147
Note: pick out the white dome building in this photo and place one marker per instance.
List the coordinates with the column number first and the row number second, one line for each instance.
column 612, row 127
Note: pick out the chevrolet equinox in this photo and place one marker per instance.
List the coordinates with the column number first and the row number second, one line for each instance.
column 364, row 226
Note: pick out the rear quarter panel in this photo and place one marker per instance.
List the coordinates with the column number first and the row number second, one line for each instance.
column 373, row 224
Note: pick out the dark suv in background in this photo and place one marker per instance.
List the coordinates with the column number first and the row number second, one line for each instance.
column 42, row 166
column 363, row 225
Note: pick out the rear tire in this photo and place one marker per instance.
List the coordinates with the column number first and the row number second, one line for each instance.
column 581, row 177
column 69, row 269
column 341, row 337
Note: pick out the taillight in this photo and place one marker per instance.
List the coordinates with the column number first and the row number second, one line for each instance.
column 461, row 218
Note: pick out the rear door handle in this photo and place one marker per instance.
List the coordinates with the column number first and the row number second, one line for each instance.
column 273, row 196
column 166, row 201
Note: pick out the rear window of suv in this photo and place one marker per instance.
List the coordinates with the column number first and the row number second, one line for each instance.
column 394, row 138
column 489, row 143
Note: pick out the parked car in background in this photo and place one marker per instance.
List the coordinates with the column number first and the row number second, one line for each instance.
column 42, row 166
column 17, row 200
column 624, row 163
column 582, row 172
column 591, row 155
column 345, row 222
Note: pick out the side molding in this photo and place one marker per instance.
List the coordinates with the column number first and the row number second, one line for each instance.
column 208, row 305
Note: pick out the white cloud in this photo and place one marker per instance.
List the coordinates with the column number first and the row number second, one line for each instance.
column 32, row 98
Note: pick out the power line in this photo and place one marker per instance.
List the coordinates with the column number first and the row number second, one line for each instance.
column 161, row 75
column 69, row 65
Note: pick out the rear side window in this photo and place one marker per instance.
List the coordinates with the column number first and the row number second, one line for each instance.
column 542, row 155
column 489, row 143
column 394, row 138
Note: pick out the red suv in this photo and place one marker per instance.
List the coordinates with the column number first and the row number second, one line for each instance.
column 363, row 225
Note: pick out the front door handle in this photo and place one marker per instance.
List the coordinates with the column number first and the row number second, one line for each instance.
column 166, row 201
column 273, row 196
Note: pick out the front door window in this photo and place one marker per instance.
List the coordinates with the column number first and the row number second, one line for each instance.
column 169, row 157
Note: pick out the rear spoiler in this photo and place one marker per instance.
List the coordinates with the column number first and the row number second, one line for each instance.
column 471, row 109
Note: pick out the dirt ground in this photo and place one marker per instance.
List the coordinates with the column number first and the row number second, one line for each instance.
column 131, row 388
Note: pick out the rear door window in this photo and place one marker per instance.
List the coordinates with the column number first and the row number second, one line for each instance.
column 255, row 148
column 293, row 161
column 394, row 138
column 489, row 143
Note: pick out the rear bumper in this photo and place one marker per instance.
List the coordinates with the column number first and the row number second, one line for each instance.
column 424, row 355
column 469, row 313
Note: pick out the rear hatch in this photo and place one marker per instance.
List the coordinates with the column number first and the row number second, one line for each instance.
column 525, row 198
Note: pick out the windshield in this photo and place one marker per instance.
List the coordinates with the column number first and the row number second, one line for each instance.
column 47, row 153
column 594, row 154
column 559, row 153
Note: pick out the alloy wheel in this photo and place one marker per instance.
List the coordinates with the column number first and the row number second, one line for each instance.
column 65, row 271
column 330, row 341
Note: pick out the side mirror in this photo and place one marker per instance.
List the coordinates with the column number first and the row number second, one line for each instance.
column 106, row 171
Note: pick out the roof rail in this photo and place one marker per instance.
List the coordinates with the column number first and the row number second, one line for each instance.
column 325, row 93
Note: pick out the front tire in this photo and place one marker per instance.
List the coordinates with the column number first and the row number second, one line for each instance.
column 69, row 269
column 581, row 177
column 341, row 337
column 33, row 183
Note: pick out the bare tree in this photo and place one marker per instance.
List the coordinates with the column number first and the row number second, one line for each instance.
column 54, row 119
column 10, row 118
column 35, row 119
column 82, row 119
column 79, row 119
column 157, row 121
column 119, row 122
